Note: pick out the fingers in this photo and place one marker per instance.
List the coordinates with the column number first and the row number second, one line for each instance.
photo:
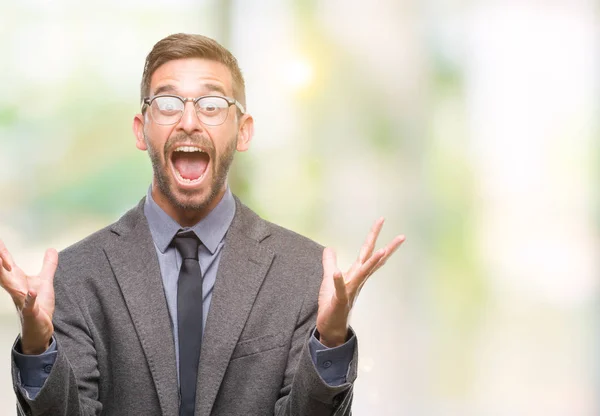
column 49, row 265
column 389, row 250
column 393, row 245
column 367, row 249
column 30, row 307
column 340, row 287
column 367, row 268
column 7, row 261
column 367, row 263
column 357, row 279
column 329, row 262
column 379, row 258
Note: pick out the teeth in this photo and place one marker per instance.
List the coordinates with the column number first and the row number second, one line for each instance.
column 188, row 149
column 185, row 180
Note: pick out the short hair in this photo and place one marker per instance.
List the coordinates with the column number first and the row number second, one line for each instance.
column 183, row 46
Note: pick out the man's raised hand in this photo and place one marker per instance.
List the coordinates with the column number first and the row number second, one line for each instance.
column 339, row 291
column 33, row 297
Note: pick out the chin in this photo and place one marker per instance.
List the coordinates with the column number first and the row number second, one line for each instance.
column 186, row 199
column 193, row 202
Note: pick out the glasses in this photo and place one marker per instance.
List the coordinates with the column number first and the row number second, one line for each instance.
column 212, row 110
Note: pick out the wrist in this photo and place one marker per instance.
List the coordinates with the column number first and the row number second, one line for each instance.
column 35, row 349
column 332, row 339
column 35, row 343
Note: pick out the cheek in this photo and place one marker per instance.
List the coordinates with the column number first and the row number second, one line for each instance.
column 226, row 146
column 226, row 136
column 157, row 137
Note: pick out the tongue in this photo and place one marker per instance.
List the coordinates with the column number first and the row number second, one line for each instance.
column 190, row 165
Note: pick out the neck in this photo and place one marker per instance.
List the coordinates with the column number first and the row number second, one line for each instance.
column 185, row 217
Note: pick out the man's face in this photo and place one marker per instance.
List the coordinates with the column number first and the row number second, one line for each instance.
column 191, row 160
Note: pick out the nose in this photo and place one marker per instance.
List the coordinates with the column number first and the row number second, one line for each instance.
column 190, row 122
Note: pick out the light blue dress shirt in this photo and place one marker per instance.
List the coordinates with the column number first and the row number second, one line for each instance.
column 331, row 363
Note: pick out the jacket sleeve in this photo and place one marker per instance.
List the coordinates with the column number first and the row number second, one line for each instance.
column 304, row 392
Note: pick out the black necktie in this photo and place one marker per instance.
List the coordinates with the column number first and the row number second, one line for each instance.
column 189, row 318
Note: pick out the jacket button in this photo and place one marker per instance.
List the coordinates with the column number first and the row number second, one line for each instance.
column 48, row 368
column 327, row 364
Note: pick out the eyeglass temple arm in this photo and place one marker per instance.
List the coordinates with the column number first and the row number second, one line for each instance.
column 145, row 103
column 239, row 106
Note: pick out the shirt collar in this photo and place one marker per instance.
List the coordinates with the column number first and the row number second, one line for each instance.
column 210, row 230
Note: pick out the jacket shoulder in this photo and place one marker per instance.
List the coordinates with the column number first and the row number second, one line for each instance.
column 287, row 245
column 90, row 249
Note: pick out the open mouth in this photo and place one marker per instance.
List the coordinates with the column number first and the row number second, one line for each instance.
column 189, row 163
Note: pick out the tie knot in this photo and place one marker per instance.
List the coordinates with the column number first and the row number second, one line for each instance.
column 187, row 243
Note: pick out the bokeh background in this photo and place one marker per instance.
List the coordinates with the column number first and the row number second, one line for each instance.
column 472, row 126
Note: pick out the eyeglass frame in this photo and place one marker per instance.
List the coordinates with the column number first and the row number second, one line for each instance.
column 147, row 101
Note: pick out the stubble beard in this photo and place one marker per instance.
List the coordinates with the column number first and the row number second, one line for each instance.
column 219, row 169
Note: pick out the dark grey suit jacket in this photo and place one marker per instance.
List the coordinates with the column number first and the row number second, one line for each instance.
column 116, row 354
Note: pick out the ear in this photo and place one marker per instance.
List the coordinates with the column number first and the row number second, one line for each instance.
column 138, row 130
column 245, row 132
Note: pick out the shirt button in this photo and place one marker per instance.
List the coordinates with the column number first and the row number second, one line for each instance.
column 327, row 364
column 48, row 368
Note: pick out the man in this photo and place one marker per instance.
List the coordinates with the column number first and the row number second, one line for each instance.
column 190, row 304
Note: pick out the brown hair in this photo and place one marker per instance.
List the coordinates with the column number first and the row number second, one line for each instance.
column 182, row 46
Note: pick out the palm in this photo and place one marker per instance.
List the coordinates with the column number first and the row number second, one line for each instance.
column 339, row 291
column 45, row 296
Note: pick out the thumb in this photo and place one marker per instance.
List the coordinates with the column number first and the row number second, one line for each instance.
column 329, row 262
column 30, row 307
column 340, row 286
column 50, row 264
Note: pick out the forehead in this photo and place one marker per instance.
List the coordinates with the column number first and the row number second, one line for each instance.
column 192, row 77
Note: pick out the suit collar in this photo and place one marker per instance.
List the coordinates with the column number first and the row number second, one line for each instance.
column 133, row 259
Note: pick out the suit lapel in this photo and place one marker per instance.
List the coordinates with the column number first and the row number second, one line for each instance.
column 132, row 256
column 242, row 269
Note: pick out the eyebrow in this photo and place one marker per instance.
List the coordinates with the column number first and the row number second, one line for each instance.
column 168, row 88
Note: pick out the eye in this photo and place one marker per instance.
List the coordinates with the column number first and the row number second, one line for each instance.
column 212, row 105
column 167, row 105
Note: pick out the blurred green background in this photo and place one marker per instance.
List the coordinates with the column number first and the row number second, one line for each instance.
column 470, row 125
